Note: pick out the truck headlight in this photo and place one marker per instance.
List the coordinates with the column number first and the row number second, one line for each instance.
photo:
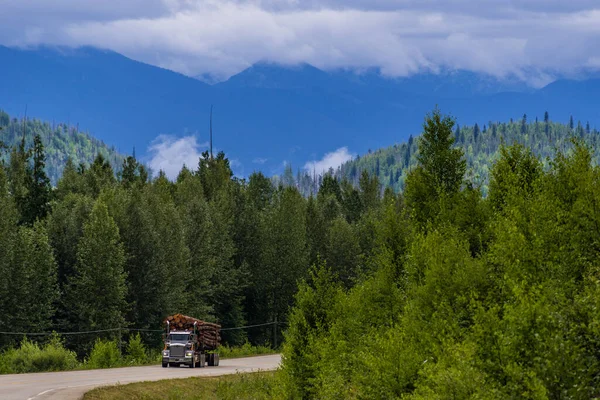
column 189, row 353
column 165, row 353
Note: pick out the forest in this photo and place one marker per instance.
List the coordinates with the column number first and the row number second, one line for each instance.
column 464, row 296
column 439, row 291
column 61, row 142
column 480, row 144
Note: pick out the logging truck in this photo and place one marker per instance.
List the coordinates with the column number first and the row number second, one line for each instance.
column 190, row 342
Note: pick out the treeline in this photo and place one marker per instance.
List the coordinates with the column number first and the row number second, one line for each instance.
column 481, row 146
column 61, row 142
column 463, row 296
column 106, row 250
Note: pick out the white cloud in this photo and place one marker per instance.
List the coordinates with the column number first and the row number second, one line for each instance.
column 221, row 37
column 259, row 160
column 170, row 154
column 330, row 160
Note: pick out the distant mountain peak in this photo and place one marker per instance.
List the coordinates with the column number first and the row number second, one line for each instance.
column 271, row 75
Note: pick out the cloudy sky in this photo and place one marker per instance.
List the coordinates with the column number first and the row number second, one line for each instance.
column 533, row 39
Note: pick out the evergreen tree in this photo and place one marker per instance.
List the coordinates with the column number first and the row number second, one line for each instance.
column 132, row 172
column 39, row 190
column 330, row 187
column 316, row 230
column 99, row 176
column 369, row 190
column 288, row 176
column 351, row 202
column 97, row 291
column 19, row 176
column 342, row 251
column 260, row 191
column 440, row 172
column 8, row 223
column 284, row 258
column 71, row 181
column 571, row 123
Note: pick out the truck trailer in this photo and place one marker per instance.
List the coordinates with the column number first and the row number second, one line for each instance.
column 190, row 341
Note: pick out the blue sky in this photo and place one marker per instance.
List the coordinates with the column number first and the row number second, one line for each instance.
column 532, row 39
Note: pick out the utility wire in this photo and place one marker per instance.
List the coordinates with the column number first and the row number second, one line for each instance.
column 125, row 329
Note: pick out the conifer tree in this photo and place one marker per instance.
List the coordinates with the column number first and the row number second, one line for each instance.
column 100, row 175
column 571, row 123
column 369, row 190
column 39, row 190
column 97, row 290
column 19, row 175
column 71, row 181
column 8, row 223
column 440, row 172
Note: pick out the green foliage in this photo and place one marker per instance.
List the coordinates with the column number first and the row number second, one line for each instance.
column 104, row 354
column 443, row 166
column 513, row 175
column 495, row 298
column 136, row 351
column 432, row 187
column 97, row 290
column 309, row 321
column 31, row 357
column 480, row 283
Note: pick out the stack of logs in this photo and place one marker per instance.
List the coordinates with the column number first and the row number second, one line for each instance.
column 208, row 333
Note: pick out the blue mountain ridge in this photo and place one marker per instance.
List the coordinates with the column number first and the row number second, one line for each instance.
column 268, row 111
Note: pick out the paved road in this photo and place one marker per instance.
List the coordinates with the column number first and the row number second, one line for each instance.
column 73, row 384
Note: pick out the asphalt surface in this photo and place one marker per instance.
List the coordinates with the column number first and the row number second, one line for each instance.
column 71, row 385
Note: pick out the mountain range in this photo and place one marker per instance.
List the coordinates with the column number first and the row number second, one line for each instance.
column 268, row 114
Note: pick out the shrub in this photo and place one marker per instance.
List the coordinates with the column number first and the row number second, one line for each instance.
column 105, row 354
column 136, row 350
column 30, row 357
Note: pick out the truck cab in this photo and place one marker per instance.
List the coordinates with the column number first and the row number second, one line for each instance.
column 179, row 349
column 183, row 347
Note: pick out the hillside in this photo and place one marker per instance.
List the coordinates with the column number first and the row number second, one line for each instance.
column 60, row 141
column 269, row 112
column 481, row 148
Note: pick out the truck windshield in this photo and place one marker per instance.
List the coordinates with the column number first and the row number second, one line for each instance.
column 181, row 337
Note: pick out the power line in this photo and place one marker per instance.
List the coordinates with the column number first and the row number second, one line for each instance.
column 125, row 329
column 250, row 326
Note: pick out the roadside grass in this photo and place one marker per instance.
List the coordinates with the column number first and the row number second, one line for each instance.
column 255, row 386
column 244, row 350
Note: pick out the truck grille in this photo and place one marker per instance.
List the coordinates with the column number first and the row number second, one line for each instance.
column 177, row 351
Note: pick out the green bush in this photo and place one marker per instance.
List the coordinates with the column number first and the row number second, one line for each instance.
column 105, row 354
column 30, row 357
column 136, row 351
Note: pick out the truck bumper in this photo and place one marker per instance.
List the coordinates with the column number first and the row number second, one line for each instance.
column 187, row 360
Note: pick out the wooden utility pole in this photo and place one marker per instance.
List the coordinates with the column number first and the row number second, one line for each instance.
column 211, row 141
